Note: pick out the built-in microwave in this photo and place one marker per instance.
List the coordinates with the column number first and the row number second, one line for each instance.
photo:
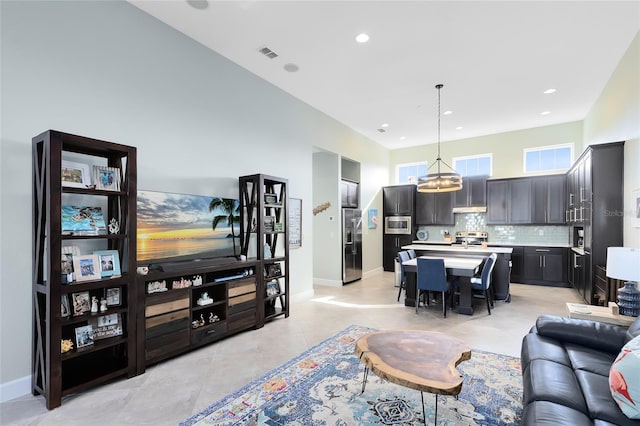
column 397, row 225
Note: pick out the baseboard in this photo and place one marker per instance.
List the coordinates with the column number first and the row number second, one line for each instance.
column 372, row 272
column 328, row 283
column 15, row 388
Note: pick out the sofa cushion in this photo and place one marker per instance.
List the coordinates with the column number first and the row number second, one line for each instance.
column 633, row 330
column 597, row 395
column 535, row 346
column 549, row 381
column 589, row 359
column 546, row 413
column 592, row 334
column 624, row 379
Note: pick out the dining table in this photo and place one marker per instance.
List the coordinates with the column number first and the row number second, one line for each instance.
column 463, row 268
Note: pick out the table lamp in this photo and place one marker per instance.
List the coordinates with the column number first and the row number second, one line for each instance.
column 623, row 263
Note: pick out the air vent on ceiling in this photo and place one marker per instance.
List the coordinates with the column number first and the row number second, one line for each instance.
column 382, row 130
column 268, row 52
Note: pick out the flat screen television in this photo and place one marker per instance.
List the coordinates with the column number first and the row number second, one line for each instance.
column 180, row 227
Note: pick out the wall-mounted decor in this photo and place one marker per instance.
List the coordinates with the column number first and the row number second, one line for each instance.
column 372, row 222
column 636, row 204
column 295, row 222
column 320, row 208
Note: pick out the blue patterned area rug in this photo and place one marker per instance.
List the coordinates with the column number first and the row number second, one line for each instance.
column 323, row 386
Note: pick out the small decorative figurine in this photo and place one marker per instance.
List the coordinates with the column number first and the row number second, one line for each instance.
column 142, row 270
column 66, row 345
column 204, row 299
column 113, row 226
column 94, row 305
column 103, row 305
column 201, row 320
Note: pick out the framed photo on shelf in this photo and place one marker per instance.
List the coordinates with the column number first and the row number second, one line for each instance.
column 64, row 306
column 107, row 178
column 86, row 267
column 75, row 175
column 81, row 302
column 106, row 326
column 269, row 222
column 84, row 336
column 270, row 198
column 83, row 220
column 273, row 288
column 109, row 262
column 278, row 227
column 113, row 296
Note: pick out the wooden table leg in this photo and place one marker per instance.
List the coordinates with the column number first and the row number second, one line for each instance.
column 465, row 306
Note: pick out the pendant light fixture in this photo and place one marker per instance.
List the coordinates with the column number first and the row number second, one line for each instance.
column 440, row 181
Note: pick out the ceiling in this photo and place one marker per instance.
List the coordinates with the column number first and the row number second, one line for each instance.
column 495, row 59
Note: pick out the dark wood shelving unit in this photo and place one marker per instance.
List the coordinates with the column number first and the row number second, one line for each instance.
column 264, row 236
column 55, row 374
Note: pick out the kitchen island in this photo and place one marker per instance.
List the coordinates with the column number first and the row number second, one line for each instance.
column 501, row 271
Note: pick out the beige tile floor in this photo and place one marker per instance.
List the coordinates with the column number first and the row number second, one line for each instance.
column 174, row 390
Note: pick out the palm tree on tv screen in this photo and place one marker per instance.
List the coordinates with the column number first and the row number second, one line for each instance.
column 231, row 215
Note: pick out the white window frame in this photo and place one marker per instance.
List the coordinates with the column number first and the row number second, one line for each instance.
column 473, row 157
column 525, row 151
column 417, row 163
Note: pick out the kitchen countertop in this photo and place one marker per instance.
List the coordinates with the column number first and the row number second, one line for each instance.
column 496, row 244
column 458, row 249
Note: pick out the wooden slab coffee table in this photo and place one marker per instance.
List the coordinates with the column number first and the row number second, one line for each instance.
column 421, row 360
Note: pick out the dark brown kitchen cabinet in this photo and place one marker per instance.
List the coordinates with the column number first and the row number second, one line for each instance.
column 473, row 192
column 509, row 201
column 545, row 265
column 434, row 209
column 391, row 245
column 548, row 198
column 398, row 200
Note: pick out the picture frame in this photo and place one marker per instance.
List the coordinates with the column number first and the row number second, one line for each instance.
column 270, row 198
column 278, row 227
column 269, row 222
column 65, row 310
column 81, row 303
column 84, row 336
column 273, row 288
column 294, row 222
column 109, row 263
column 106, row 178
column 106, row 326
column 82, row 220
column 86, row 267
column 75, row 175
column 112, row 296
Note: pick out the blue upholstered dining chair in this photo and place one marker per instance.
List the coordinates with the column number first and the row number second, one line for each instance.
column 403, row 256
column 432, row 276
column 412, row 253
column 481, row 286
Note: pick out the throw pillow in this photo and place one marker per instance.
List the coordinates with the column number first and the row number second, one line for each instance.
column 624, row 379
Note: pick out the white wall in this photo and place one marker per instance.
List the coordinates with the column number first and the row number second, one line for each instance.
column 616, row 117
column 109, row 71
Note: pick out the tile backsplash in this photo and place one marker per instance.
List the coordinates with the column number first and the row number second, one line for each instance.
column 511, row 234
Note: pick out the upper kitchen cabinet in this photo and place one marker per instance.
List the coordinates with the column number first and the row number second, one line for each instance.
column 509, row 201
column 548, row 196
column 398, row 200
column 434, row 208
column 349, row 194
column 472, row 194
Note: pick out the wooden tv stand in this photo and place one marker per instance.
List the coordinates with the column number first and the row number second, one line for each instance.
column 175, row 322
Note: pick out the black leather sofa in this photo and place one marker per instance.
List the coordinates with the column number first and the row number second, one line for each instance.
column 565, row 372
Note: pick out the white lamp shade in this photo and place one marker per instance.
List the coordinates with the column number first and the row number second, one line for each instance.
column 623, row 263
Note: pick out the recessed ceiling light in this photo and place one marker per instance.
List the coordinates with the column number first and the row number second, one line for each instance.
column 384, row 125
column 549, row 91
column 402, row 138
column 362, row 38
column 447, row 112
column 545, row 112
column 198, row 4
column 459, row 128
column 291, row 67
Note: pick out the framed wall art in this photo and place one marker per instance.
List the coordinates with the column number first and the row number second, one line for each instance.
column 75, row 175
column 294, row 216
column 109, row 263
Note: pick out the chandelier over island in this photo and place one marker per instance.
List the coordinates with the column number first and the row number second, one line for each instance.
column 441, row 181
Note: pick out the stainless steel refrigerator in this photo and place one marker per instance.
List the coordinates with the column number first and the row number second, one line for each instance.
column 351, row 245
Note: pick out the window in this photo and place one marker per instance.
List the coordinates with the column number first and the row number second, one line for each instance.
column 548, row 158
column 410, row 172
column 473, row 165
